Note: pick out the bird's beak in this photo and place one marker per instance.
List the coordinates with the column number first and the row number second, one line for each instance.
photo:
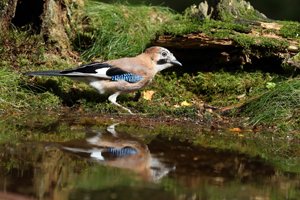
column 176, row 62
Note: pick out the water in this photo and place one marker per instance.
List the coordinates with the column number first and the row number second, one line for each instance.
column 89, row 160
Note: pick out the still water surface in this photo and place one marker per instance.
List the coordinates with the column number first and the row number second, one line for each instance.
column 112, row 163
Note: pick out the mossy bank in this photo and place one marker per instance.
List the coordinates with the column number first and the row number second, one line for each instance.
column 194, row 92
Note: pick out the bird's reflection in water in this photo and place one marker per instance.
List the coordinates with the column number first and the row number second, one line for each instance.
column 119, row 150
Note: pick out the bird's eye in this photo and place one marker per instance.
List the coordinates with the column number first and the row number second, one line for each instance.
column 164, row 54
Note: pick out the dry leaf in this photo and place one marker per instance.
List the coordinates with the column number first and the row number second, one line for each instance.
column 242, row 96
column 235, row 129
column 185, row 103
column 147, row 95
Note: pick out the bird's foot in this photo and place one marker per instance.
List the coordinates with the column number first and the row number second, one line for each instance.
column 113, row 99
column 128, row 110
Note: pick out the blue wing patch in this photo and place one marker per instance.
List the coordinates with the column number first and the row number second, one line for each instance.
column 120, row 152
column 131, row 78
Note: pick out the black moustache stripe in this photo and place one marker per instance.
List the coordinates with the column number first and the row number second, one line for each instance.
column 162, row 61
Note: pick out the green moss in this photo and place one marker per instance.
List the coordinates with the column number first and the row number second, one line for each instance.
column 180, row 26
column 249, row 41
column 290, row 29
column 11, row 95
column 17, row 44
column 296, row 58
column 217, row 29
column 117, row 30
column 271, row 43
column 14, row 96
column 279, row 107
column 168, row 98
column 222, row 88
column 244, row 40
column 24, row 52
column 293, row 64
column 210, row 26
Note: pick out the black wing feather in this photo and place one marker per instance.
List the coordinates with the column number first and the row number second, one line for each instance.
column 115, row 71
column 88, row 68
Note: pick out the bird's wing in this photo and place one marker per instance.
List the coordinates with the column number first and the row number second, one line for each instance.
column 95, row 69
column 104, row 71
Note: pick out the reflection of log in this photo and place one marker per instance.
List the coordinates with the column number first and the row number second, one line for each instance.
column 51, row 18
column 194, row 165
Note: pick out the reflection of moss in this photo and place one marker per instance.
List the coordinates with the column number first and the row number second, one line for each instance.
column 271, row 146
column 48, row 127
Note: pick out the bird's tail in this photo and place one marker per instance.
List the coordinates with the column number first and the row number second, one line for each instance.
column 45, row 73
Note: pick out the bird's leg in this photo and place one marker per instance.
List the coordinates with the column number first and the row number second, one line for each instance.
column 111, row 129
column 113, row 99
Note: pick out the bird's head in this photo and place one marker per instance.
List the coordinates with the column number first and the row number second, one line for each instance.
column 162, row 58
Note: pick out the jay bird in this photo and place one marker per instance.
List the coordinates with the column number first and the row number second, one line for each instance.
column 120, row 75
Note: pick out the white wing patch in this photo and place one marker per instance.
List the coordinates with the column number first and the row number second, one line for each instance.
column 102, row 70
column 100, row 73
column 97, row 155
column 94, row 153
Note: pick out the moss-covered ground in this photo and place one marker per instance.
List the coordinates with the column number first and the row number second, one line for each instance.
column 271, row 99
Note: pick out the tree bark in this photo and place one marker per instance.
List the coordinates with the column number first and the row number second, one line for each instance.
column 51, row 18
